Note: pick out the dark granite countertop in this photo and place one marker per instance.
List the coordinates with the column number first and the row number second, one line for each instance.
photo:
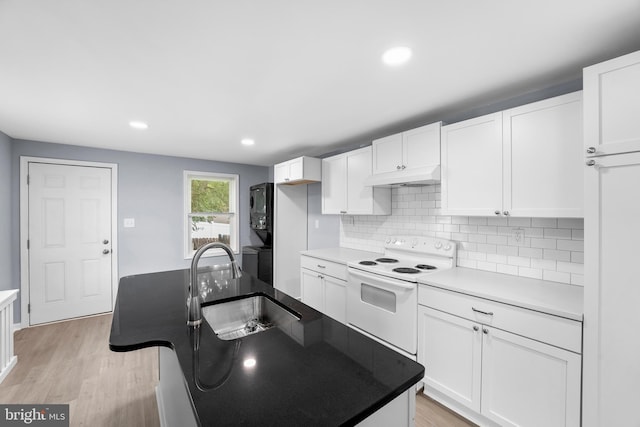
column 319, row 373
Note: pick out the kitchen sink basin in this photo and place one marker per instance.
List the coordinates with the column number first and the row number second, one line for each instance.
column 238, row 318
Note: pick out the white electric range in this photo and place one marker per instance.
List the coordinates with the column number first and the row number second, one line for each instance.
column 382, row 293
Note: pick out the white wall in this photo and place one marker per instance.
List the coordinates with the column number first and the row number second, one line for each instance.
column 552, row 248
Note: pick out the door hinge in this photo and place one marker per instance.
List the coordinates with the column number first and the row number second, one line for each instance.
column 28, row 179
column 29, row 308
column 28, row 244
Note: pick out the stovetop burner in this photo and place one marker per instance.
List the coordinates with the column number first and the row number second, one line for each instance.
column 387, row 260
column 407, row 270
column 426, row 267
column 368, row 263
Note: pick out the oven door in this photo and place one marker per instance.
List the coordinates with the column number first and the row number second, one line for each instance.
column 383, row 307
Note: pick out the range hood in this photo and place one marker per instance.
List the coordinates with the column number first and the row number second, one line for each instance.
column 424, row 175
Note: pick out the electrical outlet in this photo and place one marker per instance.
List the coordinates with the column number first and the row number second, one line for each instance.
column 518, row 234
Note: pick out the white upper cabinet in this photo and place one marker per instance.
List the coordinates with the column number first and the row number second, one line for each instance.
column 611, row 106
column 343, row 189
column 472, row 166
column 525, row 161
column 542, row 149
column 302, row 170
column 407, row 150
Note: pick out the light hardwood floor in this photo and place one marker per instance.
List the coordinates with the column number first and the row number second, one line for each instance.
column 70, row 362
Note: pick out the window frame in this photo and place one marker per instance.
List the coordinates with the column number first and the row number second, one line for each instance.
column 234, row 206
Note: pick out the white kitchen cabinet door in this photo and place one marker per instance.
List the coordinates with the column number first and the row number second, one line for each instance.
column 611, row 292
column 450, row 349
column 334, row 188
column 343, row 189
column 543, row 156
column 472, row 166
column 528, row 383
column 335, row 298
column 387, row 154
column 421, row 146
column 611, row 106
column 302, row 170
column 312, row 288
column 281, row 172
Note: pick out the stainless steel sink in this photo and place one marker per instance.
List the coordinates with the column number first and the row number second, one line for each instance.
column 239, row 318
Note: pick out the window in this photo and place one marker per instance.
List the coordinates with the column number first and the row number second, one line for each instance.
column 210, row 208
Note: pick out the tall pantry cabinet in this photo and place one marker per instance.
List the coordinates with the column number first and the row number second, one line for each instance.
column 611, row 368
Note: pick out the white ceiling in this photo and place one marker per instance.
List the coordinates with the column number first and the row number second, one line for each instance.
column 299, row 77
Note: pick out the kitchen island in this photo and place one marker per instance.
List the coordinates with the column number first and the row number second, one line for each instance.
column 316, row 372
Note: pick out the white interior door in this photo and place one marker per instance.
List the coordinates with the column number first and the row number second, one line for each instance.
column 70, row 241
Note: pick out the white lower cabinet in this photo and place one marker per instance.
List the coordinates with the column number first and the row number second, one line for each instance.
column 324, row 286
column 495, row 377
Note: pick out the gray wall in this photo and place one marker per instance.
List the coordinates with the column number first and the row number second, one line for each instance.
column 6, row 269
column 327, row 235
column 150, row 190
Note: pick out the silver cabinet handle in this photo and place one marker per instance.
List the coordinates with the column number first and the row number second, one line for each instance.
column 106, row 251
column 286, row 179
column 591, row 150
column 398, row 167
column 505, row 213
column 497, row 212
column 485, row 331
column 322, row 266
column 591, row 163
column 105, row 241
column 404, row 167
column 488, row 313
column 475, row 328
column 320, row 276
column 343, row 212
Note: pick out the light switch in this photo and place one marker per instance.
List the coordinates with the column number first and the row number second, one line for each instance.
column 129, row 222
column 317, row 223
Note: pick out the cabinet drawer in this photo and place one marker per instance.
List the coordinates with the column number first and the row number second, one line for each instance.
column 329, row 268
column 554, row 330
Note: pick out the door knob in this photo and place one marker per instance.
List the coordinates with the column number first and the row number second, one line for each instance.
column 105, row 241
column 106, row 251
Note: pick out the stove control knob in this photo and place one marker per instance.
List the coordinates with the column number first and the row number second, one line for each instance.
column 387, row 241
column 394, row 241
column 438, row 245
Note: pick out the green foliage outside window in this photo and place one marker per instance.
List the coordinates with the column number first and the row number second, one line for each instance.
column 209, row 196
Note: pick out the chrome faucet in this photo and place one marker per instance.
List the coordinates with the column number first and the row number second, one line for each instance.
column 195, row 309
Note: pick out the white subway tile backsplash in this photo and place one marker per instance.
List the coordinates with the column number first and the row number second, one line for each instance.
column 557, row 255
column 534, row 273
column 519, row 261
column 556, row 276
column 544, row 222
column 507, row 269
column 571, row 245
column 570, row 267
column 530, row 252
column 507, row 250
column 550, row 249
column 557, row 233
column 571, row 223
column 477, row 220
column 519, row 222
column 543, row 243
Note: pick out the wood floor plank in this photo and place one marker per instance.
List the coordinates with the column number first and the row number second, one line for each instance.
column 70, row 362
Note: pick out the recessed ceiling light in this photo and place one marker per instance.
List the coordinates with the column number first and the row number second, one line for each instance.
column 396, row 55
column 247, row 141
column 138, row 124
